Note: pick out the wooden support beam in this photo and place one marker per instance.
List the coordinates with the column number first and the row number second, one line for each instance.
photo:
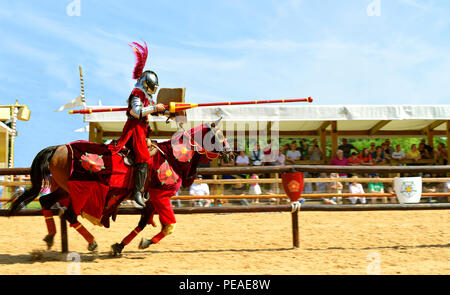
column 99, row 134
column 324, row 126
column 92, row 135
column 295, row 232
column 323, row 144
column 378, row 126
column 307, row 133
column 334, row 139
column 432, row 126
column 430, row 138
column 448, row 141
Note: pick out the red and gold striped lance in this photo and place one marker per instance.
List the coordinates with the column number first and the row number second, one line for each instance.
column 175, row 107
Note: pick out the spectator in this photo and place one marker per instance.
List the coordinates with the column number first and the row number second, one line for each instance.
column 281, row 158
column 200, row 189
column 366, row 157
column 239, row 189
column 354, row 160
column 323, row 187
column 389, row 148
column 428, row 187
column 269, row 157
column 413, row 154
column 255, row 189
column 379, row 158
column 372, row 149
column 256, row 155
column 281, row 162
column 347, row 148
column 390, row 190
column 427, row 147
column 440, row 154
column 339, row 160
column 242, row 160
column 304, row 150
column 386, row 151
column 230, row 163
column 286, row 148
column 336, row 188
column 376, row 187
column 424, row 153
column 398, row 154
column 293, row 154
column 356, row 188
column 315, row 151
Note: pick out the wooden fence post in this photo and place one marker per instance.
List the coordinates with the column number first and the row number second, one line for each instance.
column 64, row 237
column 295, row 234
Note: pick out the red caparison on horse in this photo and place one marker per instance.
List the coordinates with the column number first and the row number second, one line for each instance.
column 88, row 180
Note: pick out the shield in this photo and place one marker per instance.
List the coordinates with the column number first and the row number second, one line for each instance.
column 167, row 95
column 408, row 189
column 293, row 185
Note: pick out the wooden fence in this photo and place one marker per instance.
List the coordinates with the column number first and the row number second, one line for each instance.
column 272, row 208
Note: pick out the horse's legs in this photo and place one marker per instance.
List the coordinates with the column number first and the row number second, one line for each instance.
column 163, row 206
column 47, row 202
column 71, row 217
column 166, row 230
column 146, row 218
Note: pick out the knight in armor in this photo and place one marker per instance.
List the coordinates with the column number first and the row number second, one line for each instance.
column 136, row 129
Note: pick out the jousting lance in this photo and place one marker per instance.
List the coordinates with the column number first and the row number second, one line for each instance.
column 175, row 107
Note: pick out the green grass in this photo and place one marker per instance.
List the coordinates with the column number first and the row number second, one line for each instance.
column 34, row 205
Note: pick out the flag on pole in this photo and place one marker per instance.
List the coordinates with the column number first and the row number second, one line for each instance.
column 83, row 129
column 76, row 102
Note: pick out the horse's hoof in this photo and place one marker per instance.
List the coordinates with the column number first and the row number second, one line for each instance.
column 93, row 246
column 116, row 250
column 49, row 239
column 145, row 243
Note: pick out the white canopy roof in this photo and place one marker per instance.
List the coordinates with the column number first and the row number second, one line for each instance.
column 295, row 120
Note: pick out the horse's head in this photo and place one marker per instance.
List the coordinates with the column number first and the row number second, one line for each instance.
column 208, row 140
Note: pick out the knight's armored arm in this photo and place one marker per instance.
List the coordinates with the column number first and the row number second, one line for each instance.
column 138, row 110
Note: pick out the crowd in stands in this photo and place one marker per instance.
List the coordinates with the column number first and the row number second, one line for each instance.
column 346, row 155
column 384, row 154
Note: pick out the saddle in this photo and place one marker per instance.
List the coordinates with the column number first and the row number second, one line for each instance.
column 128, row 155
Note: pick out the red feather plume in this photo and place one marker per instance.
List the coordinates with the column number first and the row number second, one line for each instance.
column 141, row 53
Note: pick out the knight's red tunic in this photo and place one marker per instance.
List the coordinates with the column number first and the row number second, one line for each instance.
column 138, row 130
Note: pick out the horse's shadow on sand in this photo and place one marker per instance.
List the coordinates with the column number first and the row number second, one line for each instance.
column 87, row 257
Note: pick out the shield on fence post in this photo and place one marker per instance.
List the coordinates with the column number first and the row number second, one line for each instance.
column 408, row 189
column 293, row 185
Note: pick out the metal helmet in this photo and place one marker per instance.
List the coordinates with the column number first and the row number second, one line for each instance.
column 148, row 81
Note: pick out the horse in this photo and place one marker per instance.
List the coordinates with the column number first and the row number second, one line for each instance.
column 94, row 184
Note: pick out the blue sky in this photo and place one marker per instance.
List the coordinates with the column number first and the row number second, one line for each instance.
column 219, row 50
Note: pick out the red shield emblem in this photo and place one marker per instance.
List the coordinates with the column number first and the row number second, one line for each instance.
column 183, row 153
column 293, row 185
column 92, row 162
column 166, row 175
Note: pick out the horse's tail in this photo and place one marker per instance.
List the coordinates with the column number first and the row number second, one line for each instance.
column 39, row 171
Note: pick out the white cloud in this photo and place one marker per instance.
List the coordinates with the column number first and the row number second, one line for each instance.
column 424, row 6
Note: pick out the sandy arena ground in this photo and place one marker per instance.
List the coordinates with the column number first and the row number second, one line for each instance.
column 399, row 242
